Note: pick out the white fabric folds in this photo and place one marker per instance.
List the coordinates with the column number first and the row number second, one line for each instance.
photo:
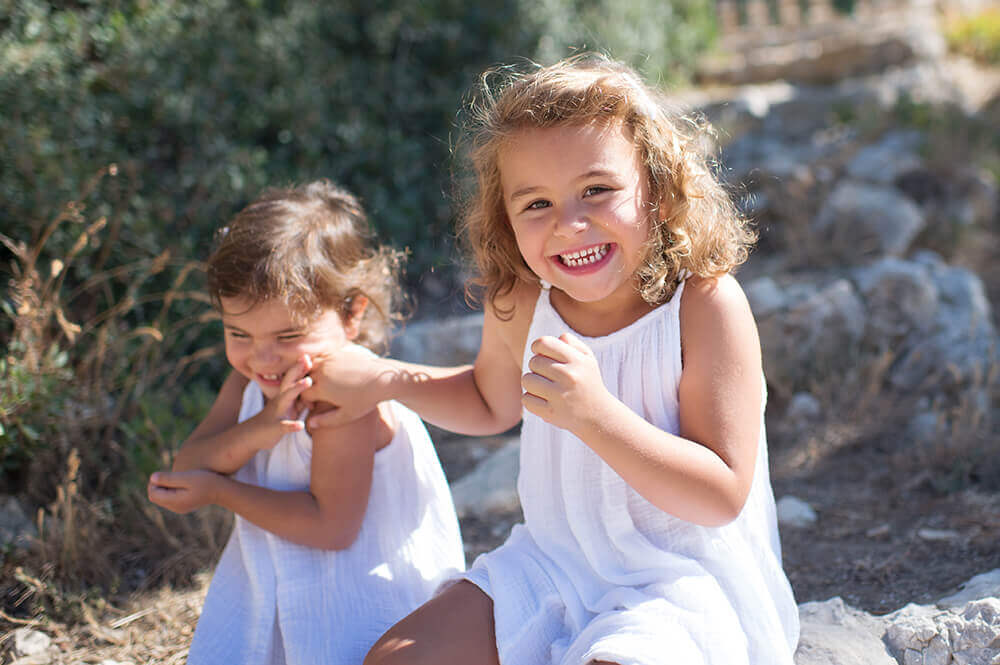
column 598, row 573
column 273, row 602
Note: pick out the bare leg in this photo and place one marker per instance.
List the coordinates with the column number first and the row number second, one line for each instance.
column 453, row 628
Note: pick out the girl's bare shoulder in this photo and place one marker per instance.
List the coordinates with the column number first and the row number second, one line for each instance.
column 714, row 309
column 719, row 295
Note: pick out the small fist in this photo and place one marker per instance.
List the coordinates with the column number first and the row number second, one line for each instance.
column 183, row 491
column 564, row 386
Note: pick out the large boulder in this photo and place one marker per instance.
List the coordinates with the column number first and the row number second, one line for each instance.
column 923, row 635
column 933, row 318
column 810, row 334
column 950, row 341
column 945, row 633
column 834, row 633
column 860, row 221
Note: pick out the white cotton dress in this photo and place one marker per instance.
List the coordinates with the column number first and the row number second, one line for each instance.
column 598, row 573
column 272, row 601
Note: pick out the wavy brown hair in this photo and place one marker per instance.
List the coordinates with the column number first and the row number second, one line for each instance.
column 311, row 248
column 694, row 225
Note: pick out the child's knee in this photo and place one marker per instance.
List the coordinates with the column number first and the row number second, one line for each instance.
column 387, row 651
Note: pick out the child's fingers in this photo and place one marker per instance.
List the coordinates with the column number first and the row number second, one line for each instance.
column 544, row 366
column 292, row 426
column 303, row 365
column 574, row 341
column 288, row 395
column 537, row 385
column 152, row 491
column 162, row 496
column 288, row 379
column 535, row 404
column 168, row 480
column 551, row 347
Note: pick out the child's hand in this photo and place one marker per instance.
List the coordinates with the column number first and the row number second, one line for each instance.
column 283, row 412
column 346, row 381
column 564, row 387
column 183, row 491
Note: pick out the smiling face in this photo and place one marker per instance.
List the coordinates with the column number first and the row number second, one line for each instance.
column 576, row 198
column 263, row 340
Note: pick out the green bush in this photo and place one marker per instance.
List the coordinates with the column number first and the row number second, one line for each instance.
column 203, row 104
column 977, row 36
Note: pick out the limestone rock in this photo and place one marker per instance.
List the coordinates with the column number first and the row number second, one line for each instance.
column 833, row 633
column 808, row 338
column 861, row 221
column 32, row 643
column 451, row 341
column 803, row 409
column 966, row 632
column 492, row 485
column 884, row 162
column 986, row 585
column 900, row 297
column 924, row 635
column 794, row 512
column 959, row 344
column 765, row 296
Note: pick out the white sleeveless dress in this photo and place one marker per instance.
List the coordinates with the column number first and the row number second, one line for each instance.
column 272, row 601
column 596, row 572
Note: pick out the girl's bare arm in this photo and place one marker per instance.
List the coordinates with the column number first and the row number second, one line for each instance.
column 330, row 514
column 221, row 444
column 326, row 516
column 478, row 399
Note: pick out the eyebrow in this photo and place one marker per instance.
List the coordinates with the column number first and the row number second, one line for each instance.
column 230, row 326
column 531, row 189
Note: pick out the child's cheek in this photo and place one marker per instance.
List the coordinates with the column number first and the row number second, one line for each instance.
column 318, row 347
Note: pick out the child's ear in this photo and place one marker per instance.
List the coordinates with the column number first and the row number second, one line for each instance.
column 352, row 321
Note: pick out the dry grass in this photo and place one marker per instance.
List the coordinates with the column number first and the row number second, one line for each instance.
column 91, row 388
column 153, row 628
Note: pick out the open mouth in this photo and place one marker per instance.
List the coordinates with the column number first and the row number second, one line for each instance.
column 584, row 257
column 270, row 378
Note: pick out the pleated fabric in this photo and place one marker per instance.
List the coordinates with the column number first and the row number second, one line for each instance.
column 596, row 572
column 272, row 601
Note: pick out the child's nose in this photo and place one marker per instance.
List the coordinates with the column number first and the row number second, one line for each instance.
column 573, row 220
column 265, row 353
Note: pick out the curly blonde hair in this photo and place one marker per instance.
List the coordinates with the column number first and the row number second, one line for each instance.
column 309, row 247
column 694, row 225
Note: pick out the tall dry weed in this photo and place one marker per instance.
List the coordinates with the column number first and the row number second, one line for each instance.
column 100, row 346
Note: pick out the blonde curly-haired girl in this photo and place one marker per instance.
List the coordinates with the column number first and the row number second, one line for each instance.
column 613, row 326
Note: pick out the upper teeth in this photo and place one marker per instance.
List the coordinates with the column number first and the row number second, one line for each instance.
column 583, row 257
column 270, row 377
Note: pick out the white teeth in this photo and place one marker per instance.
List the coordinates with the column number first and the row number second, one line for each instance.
column 585, row 257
